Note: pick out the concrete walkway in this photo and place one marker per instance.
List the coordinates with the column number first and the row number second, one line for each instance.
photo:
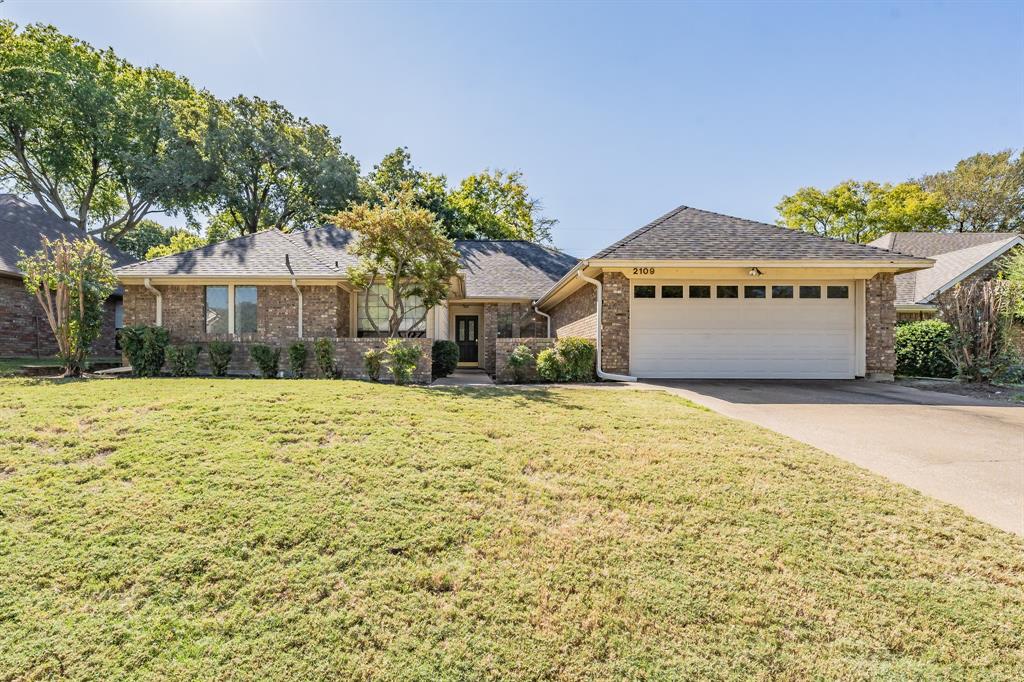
column 465, row 377
column 965, row 451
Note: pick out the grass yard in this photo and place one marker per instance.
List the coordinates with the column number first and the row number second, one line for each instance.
column 279, row 530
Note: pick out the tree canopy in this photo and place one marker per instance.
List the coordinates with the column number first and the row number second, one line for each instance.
column 486, row 205
column 94, row 139
column 273, row 169
column 862, row 211
column 983, row 193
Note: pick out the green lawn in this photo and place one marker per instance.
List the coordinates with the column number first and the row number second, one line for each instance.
column 279, row 530
column 12, row 366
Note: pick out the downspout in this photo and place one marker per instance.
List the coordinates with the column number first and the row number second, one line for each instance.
column 601, row 374
column 159, row 302
column 546, row 316
column 299, row 292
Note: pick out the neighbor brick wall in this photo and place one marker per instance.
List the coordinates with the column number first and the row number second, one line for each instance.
column 880, row 323
column 577, row 314
column 25, row 332
column 504, row 347
column 615, row 323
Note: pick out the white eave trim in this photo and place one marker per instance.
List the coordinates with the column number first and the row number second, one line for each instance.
column 907, row 263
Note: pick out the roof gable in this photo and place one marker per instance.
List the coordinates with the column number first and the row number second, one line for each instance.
column 23, row 226
column 928, row 244
column 510, row 268
column 687, row 233
column 950, row 267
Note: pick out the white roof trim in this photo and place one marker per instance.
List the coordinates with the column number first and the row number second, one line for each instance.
column 1006, row 246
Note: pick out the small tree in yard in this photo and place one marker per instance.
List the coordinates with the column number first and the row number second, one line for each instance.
column 71, row 279
column 980, row 315
column 402, row 247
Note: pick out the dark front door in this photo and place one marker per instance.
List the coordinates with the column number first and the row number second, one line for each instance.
column 466, row 332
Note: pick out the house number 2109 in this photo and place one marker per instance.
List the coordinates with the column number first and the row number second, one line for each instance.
column 643, row 271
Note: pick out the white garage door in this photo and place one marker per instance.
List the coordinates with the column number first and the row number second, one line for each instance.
column 770, row 330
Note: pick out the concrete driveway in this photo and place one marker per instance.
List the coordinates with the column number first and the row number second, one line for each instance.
column 965, row 451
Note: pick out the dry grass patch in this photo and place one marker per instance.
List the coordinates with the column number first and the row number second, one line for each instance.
column 312, row 529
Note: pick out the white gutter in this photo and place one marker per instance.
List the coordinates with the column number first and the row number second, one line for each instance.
column 299, row 292
column 601, row 373
column 159, row 302
column 546, row 316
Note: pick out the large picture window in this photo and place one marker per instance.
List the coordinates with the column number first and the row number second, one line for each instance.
column 373, row 306
column 411, row 321
column 245, row 310
column 216, row 310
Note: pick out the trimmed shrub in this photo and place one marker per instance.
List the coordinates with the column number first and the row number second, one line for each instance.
column 402, row 359
column 297, row 353
column 922, row 349
column 444, row 358
column 519, row 360
column 183, row 360
column 373, row 362
column 572, row 359
column 145, row 348
column 266, row 358
column 551, row 365
column 579, row 355
column 323, row 351
column 220, row 357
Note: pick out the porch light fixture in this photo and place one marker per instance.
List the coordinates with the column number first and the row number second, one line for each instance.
column 754, row 272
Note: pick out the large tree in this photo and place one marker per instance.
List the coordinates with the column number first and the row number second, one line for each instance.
column 485, row 205
column 399, row 245
column 862, row 211
column 273, row 169
column 92, row 138
column 983, row 193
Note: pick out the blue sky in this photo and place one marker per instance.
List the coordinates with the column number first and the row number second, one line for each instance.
column 616, row 113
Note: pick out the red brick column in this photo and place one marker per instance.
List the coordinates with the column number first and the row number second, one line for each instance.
column 615, row 323
column 880, row 325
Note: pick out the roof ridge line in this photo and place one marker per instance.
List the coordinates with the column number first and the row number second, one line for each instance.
column 643, row 230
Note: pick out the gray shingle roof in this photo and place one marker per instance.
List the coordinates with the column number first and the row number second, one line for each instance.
column 954, row 255
column 692, row 234
column 928, row 244
column 492, row 269
column 265, row 254
column 23, row 225
column 511, row 269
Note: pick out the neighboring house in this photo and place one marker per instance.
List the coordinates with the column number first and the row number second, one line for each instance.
column 958, row 256
column 24, row 330
column 692, row 294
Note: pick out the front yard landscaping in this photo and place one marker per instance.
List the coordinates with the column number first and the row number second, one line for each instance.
column 205, row 529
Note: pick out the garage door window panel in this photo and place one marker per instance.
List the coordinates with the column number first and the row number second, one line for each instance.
column 782, row 291
column 754, row 291
column 810, row 291
column 700, row 291
column 672, row 291
column 727, row 291
column 644, row 291
column 834, row 291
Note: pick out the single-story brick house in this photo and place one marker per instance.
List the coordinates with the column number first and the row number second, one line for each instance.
column 692, row 294
column 958, row 257
column 24, row 331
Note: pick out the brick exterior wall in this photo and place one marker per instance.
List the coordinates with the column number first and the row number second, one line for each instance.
column 880, row 324
column 615, row 323
column 504, row 347
column 488, row 335
column 577, row 314
column 343, row 301
column 25, row 332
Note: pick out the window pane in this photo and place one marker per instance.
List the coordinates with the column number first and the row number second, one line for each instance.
column 118, row 315
column 672, row 291
column 643, row 291
column 838, row 292
column 782, row 291
column 813, row 291
column 216, row 310
column 245, row 310
column 727, row 291
column 700, row 291
column 379, row 312
column 754, row 291
column 413, row 313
